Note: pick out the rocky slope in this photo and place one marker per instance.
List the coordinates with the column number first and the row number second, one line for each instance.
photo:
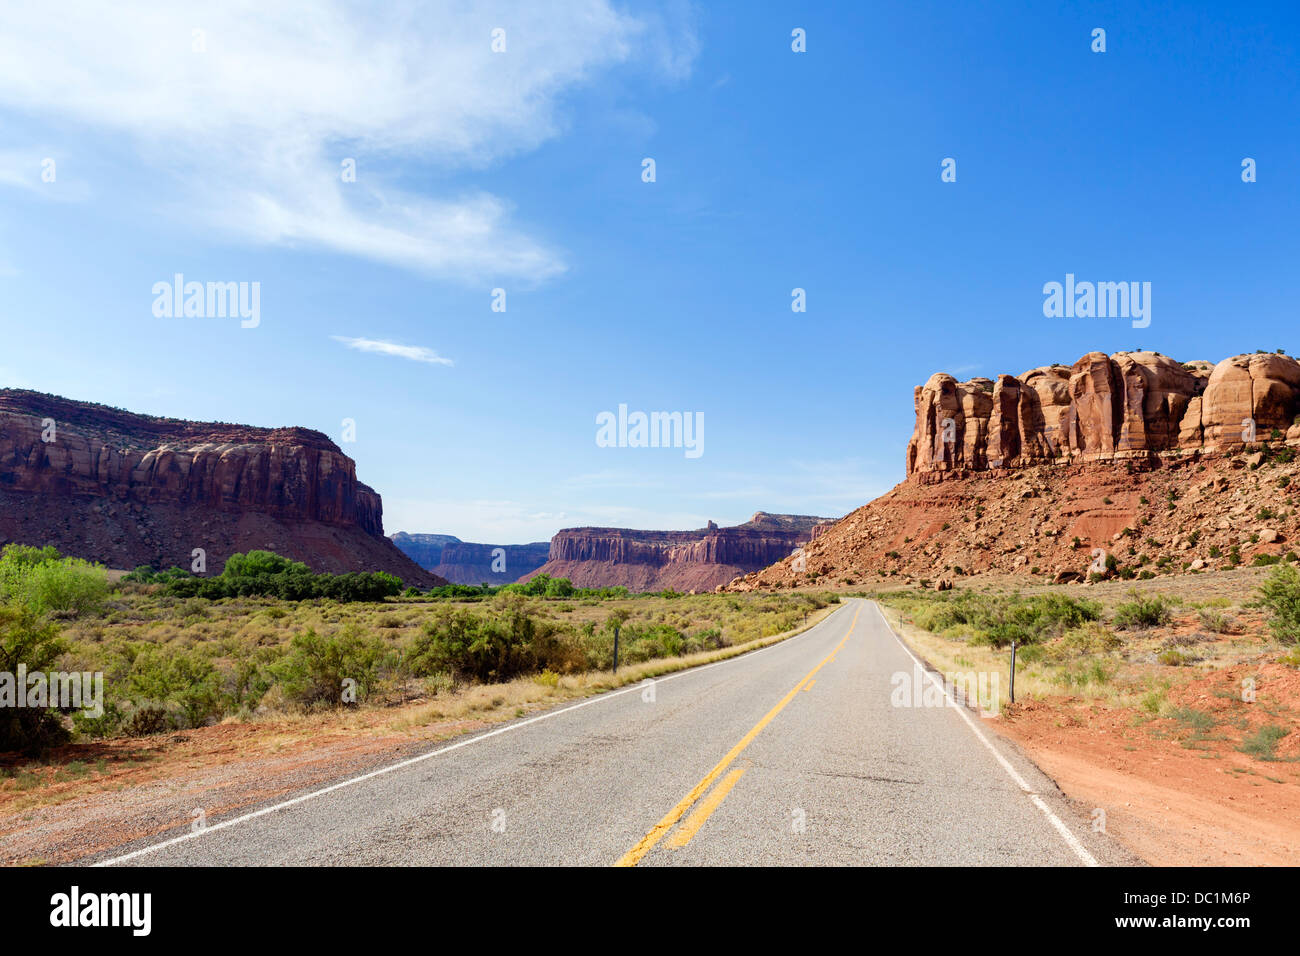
column 1134, row 455
column 681, row 560
column 464, row 562
column 125, row 489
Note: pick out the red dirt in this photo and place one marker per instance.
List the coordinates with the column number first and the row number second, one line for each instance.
column 1176, row 797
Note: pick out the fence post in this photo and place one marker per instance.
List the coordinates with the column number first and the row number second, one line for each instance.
column 1013, row 672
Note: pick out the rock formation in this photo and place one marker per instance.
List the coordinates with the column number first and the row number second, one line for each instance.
column 125, row 489
column 682, row 560
column 1131, row 404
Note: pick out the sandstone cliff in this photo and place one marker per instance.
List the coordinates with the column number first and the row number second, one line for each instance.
column 682, row 560
column 1134, row 458
column 464, row 562
column 126, row 489
column 1131, row 404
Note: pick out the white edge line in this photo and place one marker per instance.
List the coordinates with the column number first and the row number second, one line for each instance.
column 1073, row 841
column 594, row 699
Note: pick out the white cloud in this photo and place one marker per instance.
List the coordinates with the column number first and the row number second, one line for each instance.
column 416, row 353
column 251, row 128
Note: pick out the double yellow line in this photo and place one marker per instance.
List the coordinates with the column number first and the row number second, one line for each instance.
column 634, row 856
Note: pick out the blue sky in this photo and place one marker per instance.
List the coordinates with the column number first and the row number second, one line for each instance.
column 522, row 170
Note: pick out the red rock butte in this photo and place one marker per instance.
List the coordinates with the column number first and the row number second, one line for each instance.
column 126, row 489
column 1103, row 407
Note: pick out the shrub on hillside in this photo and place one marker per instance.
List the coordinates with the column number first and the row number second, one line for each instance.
column 1280, row 596
column 1143, row 612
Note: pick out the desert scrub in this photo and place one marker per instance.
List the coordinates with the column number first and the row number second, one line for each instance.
column 1079, row 675
column 321, row 670
column 175, row 662
column 996, row 619
column 1090, row 639
column 1143, row 612
column 1262, row 744
column 1216, row 622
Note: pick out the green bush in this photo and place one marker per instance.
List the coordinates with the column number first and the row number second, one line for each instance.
column 266, row 574
column 639, row 643
column 1280, row 596
column 316, row 666
column 27, row 639
column 145, row 574
column 47, row 583
column 1141, row 613
column 474, row 647
column 169, row 688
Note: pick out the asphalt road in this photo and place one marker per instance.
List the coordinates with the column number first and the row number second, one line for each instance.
column 797, row 754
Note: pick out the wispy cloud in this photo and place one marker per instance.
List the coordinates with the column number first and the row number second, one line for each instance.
column 251, row 110
column 416, row 353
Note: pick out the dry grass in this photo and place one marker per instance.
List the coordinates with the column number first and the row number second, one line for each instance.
column 1212, row 627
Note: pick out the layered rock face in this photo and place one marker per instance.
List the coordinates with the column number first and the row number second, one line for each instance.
column 683, row 560
column 464, row 562
column 1131, row 404
column 125, row 489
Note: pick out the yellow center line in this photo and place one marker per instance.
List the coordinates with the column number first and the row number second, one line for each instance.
column 705, row 809
column 633, row 856
column 808, row 686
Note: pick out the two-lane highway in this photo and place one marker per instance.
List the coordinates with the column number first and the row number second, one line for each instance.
column 796, row 754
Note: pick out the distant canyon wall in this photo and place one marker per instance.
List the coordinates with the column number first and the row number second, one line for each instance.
column 464, row 562
column 682, row 560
